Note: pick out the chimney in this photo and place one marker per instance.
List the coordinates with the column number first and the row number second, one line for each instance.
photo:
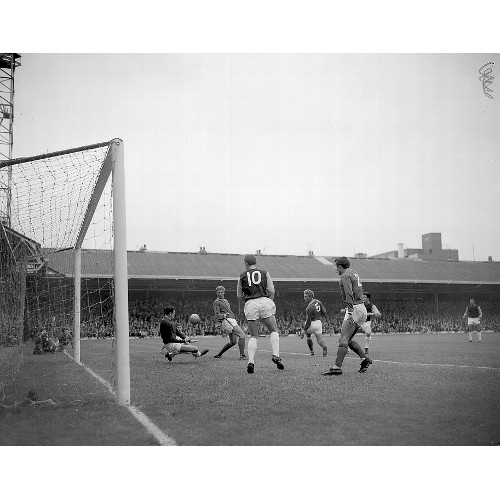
column 401, row 251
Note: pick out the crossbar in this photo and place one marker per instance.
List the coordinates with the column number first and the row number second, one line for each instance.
column 17, row 161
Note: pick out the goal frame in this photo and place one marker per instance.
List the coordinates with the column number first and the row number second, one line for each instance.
column 113, row 165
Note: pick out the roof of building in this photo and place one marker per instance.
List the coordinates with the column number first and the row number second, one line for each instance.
column 215, row 266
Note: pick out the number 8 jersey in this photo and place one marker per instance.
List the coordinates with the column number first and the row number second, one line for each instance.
column 254, row 284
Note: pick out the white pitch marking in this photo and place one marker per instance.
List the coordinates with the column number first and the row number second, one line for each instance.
column 436, row 364
column 402, row 362
column 158, row 434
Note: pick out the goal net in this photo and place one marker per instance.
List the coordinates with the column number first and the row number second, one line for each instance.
column 63, row 278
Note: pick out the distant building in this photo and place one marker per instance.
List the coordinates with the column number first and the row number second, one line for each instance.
column 432, row 249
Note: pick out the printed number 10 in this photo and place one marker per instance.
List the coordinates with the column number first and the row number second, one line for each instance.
column 254, row 278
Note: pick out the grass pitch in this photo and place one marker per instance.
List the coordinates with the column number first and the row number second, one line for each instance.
column 422, row 390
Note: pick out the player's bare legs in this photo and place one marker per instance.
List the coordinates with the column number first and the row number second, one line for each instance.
column 253, row 329
column 321, row 343
column 310, row 343
column 472, row 329
column 347, row 332
column 232, row 341
column 238, row 332
column 184, row 348
column 319, row 340
column 274, row 337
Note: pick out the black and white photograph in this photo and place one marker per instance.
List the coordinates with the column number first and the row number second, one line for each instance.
column 254, row 250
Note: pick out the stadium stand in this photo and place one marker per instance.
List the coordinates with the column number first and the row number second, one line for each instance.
column 413, row 295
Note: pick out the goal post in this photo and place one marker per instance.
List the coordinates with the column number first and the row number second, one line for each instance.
column 71, row 203
column 121, row 281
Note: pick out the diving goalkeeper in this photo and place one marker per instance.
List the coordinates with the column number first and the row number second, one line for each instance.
column 174, row 340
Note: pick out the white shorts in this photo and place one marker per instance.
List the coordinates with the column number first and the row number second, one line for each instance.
column 316, row 327
column 367, row 327
column 173, row 347
column 228, row 324
column 259, row 308
column 358, row 314
column 473, row 321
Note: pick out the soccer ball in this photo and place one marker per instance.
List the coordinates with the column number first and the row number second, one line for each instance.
column 194, row 319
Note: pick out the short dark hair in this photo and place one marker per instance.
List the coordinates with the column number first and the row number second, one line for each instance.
column 250, row 259
column 343, row 262
column 369, row 295
column 168, row 309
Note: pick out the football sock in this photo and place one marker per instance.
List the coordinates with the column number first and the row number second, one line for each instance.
column 225, row 348
column 252, row 348
column 310, row 344
column 479, row 336
column 341, row 353
column 241, row 346
column 470, row 335
column 355, row 347
column 275, row 343
column 367, row 342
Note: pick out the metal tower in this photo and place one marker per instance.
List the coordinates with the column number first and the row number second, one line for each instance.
column 8, row 64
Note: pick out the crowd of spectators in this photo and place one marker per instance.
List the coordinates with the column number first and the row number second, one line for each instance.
column 406, row 315
column 397, row 315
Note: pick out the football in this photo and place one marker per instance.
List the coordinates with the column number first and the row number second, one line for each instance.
column 194, row 319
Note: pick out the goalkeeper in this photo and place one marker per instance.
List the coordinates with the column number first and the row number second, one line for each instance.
column 173, row 339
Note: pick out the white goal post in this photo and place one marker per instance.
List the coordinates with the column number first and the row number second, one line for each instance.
column 63, row 165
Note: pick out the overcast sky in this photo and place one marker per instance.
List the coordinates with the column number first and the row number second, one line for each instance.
column 286, row 153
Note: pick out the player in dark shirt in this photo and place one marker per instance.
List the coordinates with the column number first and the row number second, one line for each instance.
column 174, row 341
column 355, row 315
column 473, row 314
column 256, row 288
column 314, row 311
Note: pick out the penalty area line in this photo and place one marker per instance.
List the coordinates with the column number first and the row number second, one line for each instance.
column 150, row 427
column 412, row 363
column 436, row 364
